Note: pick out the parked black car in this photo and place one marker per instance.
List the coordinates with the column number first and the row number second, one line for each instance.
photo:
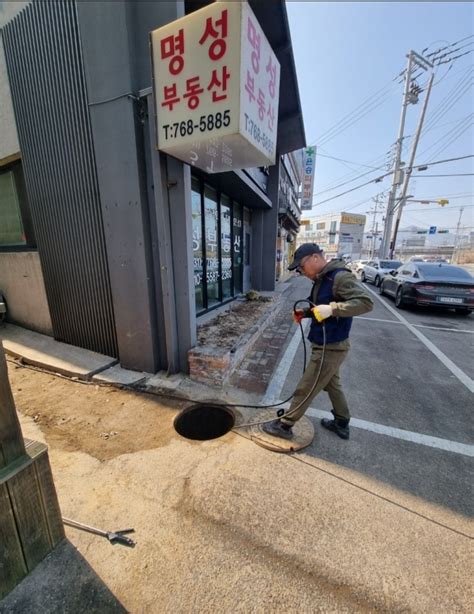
column 423, row 283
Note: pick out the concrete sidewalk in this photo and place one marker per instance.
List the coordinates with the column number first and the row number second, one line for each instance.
column 46, row 353
column 222, row 525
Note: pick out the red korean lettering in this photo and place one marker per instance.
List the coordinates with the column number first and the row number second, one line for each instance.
column 254, row 39
column 218, row 31
column 170, row 96
column 217, row 84
column 261, row 104
column 193, row 90
column 250, row 87
column 271, row 116
column 271, row 68
column 173, row 47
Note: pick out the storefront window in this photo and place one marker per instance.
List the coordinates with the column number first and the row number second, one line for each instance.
column 212, row 246
column 237, row 243
column 11, row 227
column 217, row 246
column 226, row 247
column 197, row 246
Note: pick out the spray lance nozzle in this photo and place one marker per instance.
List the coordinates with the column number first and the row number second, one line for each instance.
column 318, row 312
column 299, row 314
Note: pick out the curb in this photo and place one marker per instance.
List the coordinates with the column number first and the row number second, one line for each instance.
column 214, row 366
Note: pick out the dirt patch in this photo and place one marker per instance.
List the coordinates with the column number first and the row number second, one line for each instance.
column 104, row 422
column 226, row 329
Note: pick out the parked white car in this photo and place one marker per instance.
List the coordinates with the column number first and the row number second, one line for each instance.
column 358, row 265
column 375, row 270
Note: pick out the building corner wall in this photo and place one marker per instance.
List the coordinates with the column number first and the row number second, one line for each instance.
column 22, row 284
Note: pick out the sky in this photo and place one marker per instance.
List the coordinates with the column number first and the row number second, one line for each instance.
column 347, row 56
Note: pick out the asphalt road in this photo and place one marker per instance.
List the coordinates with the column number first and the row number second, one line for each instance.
column 407, row 380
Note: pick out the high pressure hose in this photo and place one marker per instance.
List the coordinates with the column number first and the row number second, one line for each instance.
column 281, row 412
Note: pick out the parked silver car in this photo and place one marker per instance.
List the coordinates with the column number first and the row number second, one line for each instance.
column 375, row 270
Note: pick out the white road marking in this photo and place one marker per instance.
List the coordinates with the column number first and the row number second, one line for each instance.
column 439, row 328
column 442, row 329
column 418, row 438
column 447, row 362
column 376, row 319
column 425, row 440
column 279, row 376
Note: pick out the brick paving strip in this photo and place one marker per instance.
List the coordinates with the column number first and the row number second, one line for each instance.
column 256, row 369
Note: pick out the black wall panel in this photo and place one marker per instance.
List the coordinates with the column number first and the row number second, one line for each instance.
column 45, row 70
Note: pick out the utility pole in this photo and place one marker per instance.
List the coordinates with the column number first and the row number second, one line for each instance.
column 398, row 156
column 375, row 225
column 457, row 237
column 409, row 169
column 408, row 97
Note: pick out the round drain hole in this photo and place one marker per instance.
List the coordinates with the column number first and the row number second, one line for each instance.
column 204, row 422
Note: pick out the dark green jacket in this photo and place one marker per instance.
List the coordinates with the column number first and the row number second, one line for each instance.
column 351, row 298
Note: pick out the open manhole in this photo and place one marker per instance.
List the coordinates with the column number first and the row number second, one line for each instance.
column 204, row 422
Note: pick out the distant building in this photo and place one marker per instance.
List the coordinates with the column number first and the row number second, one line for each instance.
column 338, row 234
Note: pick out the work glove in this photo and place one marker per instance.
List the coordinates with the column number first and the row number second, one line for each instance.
column 321, row 312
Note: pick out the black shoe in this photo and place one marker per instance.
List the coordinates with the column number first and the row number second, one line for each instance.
column 278, row 429
column 338, row 426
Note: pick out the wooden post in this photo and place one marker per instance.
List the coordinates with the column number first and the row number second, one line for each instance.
column 30, row 518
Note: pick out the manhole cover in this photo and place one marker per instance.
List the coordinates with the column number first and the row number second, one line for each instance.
column 204, row 422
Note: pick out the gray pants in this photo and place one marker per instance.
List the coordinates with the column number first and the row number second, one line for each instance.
column 329, row 381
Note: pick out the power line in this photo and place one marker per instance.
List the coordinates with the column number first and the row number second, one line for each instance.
column 377, row 179
column 327, row 187
column 375, row 101
column 437, row 127
column 451, row 175
column 465, row 121
column 350, row 117
column 346, row 182
column 359, row 116
column 439, row 112
column 458, row 132
column 453, row 96
column 348, row 161
column 356, row 188
column 444, row 161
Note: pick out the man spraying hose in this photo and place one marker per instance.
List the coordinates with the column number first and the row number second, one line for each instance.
column 338, row 297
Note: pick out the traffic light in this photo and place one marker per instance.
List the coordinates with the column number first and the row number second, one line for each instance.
column 443, row 201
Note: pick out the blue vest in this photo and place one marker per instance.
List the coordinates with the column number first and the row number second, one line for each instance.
column 337, row 329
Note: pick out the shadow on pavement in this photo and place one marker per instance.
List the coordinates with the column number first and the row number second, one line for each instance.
column 434, row 475
column 63, row 583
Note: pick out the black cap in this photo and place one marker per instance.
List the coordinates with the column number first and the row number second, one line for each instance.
column 304, row 250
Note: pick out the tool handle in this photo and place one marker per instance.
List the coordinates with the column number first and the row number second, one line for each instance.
column 84, row 527
column 123, row 531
